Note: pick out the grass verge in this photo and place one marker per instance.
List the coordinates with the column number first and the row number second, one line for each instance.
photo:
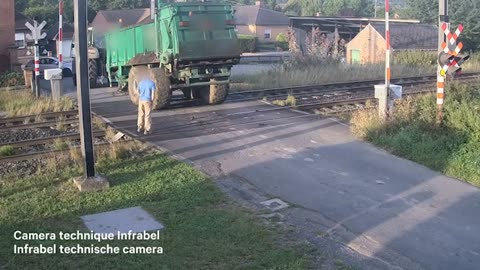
column 452, row 148
column 22, row 102
column 203, row 230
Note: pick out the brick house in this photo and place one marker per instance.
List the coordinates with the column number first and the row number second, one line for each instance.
column 7, row 30
column 263, row 23
column 368, row 46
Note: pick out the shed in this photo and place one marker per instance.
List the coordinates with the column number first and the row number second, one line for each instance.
column 369, row 45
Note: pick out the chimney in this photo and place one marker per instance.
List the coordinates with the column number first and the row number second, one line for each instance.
column 259, row 3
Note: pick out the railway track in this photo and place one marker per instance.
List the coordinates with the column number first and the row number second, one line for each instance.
column 39, row 120
column 335, row 89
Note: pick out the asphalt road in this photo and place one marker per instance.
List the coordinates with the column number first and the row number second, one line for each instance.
column 353, row 201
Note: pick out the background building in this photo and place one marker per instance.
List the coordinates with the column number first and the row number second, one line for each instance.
column 369, row 45
column 7, row 32
column 263, row 23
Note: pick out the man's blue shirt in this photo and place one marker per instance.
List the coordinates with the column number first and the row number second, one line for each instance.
column 145, row 89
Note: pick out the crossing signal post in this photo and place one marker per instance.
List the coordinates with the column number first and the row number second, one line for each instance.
column 449, row 60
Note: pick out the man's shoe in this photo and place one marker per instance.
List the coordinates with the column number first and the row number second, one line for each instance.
column 139, row 130
column 147, row 132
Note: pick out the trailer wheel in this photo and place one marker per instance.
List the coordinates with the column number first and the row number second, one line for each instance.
column 215, row 94
column 163, row 93
column 133, row 84
column 92, row 73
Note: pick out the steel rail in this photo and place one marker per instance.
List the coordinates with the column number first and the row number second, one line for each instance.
column 51, row 139
column 22, row 118
column 39, row 124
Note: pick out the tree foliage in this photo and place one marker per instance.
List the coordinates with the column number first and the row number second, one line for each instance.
column 330, row 7
column 47, row 10
column 464, row 12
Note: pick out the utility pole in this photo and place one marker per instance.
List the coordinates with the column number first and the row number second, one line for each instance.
column 83, row 88
column 443, row 18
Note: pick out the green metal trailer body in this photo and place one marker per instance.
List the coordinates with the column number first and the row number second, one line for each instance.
column 195, row 43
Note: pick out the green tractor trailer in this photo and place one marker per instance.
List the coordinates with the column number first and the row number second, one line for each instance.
column 188, row 46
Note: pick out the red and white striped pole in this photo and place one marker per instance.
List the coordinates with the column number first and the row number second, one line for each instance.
column 60, row 34
column 387, row 51
column 36, row 50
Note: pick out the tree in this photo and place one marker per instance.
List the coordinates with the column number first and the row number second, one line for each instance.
column 465, row 12
column 424, row 10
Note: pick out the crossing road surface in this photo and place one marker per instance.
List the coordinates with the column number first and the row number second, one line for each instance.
column 377, row 211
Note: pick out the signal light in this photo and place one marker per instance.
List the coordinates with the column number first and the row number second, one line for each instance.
column 183, row 23
column 444, row 59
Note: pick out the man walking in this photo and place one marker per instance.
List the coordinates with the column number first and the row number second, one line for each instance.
column 146, row 89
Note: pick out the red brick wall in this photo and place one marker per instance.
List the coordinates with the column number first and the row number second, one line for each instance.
column 7, row 31
column 370, row 44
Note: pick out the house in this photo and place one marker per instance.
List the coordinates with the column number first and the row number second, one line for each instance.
column 67, row 42
column 369, row 45
column 107, row 20
column 7, row 30
column 261, row 22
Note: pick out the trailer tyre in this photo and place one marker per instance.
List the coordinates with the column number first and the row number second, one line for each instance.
column 163, row 93
column 92, row 73
column 133, row 79
column 215, row 94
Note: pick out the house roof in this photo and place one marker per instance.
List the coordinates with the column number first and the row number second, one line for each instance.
column 126, row 17
column 256, row 15
column 407, row 36
column 20, row 21
column 68, row 30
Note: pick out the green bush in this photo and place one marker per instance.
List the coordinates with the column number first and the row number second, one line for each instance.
column 11, row 79
column 247, row 43
column 7, row 150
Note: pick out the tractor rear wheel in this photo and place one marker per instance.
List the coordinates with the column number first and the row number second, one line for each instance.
column 187, row 93
column 215, row 94
column 92, row 72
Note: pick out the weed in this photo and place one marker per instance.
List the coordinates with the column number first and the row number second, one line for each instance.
column 22, row 102
column 7, row 150
column 60, row 144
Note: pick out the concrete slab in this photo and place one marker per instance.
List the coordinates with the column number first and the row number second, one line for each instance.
column 389, row 211
column 133, row 219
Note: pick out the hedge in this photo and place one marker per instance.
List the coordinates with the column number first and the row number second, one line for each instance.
column 11, row 79
column 247, row 43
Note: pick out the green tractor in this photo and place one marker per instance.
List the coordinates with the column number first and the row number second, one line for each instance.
column 185, row 46
column 96, row 62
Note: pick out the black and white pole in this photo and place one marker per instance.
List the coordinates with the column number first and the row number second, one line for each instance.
column 83, row 88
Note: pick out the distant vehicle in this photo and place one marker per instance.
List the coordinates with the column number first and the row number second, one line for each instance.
column 49, row 63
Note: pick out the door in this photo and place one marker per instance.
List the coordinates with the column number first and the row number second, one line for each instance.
column 355, row 55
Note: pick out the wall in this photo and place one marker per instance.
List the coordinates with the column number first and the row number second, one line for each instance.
column 259, row 31
column 7, row 30
column 370, row 44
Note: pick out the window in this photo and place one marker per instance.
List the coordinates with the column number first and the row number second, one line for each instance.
column 20, row 40
column 267, row 34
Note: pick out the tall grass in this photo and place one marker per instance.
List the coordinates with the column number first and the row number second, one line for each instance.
column 303, row 71
column 22, row 102
column 452, row 148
